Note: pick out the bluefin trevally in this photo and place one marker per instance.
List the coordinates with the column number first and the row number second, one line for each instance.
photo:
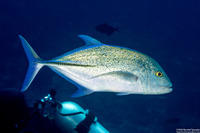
column 98, row 67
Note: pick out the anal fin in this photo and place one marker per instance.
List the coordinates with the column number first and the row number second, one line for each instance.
column 82, row 91
column 123, row 93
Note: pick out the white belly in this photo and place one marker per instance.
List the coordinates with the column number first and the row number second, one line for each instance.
column 88, row 78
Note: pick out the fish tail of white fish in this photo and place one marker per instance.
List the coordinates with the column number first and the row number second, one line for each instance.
column 34, row 64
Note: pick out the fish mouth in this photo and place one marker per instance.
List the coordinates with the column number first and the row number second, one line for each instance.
column 167, row 89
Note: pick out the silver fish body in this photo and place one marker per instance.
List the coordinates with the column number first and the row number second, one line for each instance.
column 99, row 67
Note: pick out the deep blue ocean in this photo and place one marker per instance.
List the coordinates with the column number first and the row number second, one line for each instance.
column 168, row 31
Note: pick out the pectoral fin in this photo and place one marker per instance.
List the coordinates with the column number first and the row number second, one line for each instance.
column 127, row 76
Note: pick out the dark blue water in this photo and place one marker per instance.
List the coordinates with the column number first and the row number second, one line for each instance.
column 168, row 31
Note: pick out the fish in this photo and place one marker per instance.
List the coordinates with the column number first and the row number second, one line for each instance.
column 98, row 67
column 106, row 29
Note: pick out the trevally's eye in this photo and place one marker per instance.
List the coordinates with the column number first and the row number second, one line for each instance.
column 158, row 74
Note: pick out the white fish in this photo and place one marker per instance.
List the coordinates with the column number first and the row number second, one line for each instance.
column 98, row 67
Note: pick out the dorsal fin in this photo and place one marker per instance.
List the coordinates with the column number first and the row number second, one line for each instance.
column 89, row 40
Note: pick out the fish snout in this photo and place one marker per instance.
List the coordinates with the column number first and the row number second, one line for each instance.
column 167, row 88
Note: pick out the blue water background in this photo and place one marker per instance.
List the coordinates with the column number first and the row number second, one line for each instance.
column 168, row 31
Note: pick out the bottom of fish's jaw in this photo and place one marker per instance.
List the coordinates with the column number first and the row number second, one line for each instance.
column 162, row 90
column 167, row 90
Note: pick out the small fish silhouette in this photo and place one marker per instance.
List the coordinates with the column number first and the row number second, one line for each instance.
column 106, row 29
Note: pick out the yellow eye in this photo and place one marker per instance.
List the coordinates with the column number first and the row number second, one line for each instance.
column 159, row 74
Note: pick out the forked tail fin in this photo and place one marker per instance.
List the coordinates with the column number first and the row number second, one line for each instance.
column 34, row 64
